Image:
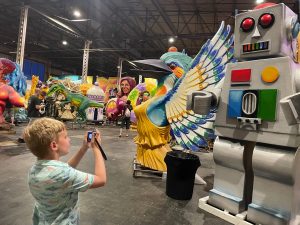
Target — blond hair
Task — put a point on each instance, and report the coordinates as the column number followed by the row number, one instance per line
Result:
column 41, row 133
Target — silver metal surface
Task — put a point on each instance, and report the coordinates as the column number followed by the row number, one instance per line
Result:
column 22, row 36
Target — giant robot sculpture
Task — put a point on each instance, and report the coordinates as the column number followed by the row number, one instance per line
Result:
column 167, row 109
column 256, row 155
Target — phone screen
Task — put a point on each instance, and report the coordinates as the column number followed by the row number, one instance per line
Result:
column 89, row 136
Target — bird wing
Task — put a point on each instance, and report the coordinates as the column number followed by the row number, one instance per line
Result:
column 206, row 70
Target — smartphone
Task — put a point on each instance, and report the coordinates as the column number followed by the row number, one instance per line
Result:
column 89, row 136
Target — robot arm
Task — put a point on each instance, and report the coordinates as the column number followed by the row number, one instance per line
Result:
column 291, row 108
column 202, row 101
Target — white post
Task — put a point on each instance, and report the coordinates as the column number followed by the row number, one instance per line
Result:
column 140, row 79
column 85, row 61
column 119, row 73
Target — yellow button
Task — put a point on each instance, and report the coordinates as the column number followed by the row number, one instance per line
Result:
column 270, row 74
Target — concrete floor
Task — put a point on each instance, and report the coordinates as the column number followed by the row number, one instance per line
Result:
column 123, row 201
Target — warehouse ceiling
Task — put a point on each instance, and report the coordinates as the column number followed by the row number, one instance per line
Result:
column 129, row 29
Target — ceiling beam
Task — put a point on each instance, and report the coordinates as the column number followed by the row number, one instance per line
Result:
column 166, row 19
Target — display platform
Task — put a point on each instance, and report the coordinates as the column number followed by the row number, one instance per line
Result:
column 141, row 171
column 238, row 219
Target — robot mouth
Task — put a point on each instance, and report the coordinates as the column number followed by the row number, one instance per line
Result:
column 256, row 47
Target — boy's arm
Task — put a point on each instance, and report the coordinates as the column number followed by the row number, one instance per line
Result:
column 100, row 171
column 77, row 157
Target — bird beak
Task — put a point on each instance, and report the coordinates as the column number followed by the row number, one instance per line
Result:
column 178, row 72
column 154, row 62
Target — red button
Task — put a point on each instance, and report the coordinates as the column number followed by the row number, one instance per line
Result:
column 243, row 75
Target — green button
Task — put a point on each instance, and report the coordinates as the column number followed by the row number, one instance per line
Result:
column 267, row 104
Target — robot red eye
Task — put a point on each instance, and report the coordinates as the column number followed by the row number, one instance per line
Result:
column 247, row 24
column 266, row 20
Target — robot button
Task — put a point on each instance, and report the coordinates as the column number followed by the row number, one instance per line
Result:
column 270, row 74
column 247, row 121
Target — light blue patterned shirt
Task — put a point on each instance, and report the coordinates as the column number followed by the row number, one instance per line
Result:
column 55, row 186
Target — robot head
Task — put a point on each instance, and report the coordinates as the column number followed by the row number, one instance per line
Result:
column 264, row 32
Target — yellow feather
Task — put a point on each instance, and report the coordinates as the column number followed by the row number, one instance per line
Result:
column 168, row 110
column 185, row 114
column 202, row 86
column 172, row 109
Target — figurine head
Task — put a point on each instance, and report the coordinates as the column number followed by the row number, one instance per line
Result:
column 127, row 84
column 264, row 32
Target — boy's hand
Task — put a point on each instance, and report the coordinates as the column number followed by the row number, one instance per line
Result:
column 92, row 143
column 85, row 144
column 96, row 136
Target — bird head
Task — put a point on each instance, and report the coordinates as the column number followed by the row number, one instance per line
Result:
column 172, row 62
column 177, row 61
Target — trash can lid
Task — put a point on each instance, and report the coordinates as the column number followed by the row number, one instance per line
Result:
column 182, row 155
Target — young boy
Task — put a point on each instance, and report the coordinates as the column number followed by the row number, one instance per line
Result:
column 55, row 184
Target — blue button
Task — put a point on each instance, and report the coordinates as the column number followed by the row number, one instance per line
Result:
column 235, row 103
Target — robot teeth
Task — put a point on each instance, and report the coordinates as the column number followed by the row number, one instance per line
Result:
column 255, row 47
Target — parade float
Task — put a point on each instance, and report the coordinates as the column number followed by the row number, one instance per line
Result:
column 67, row 99
column 95, row 114
column 167, row 111
column 12, row 86
column 114, row 106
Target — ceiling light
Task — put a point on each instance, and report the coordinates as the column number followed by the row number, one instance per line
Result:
column 64, row 42
column 171, row 40
column 259, row 1
column 76, row 13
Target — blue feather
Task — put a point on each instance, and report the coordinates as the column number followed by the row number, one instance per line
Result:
column 204, row 117
column 218, row 69
column 192, row 126
column 209, row 134
column 201, row 141
column 182, row 144
column 176, row 132
column 230, row 52
column 191, row 146
column 229, row 42
column 216, row 62
column 202, row 50
column 212, row 54
column 225, row 33
column 182, row 128
column 200, row 121
column 233, row 60
column 220, row 76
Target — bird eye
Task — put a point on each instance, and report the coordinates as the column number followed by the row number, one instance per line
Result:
column 266, row 20
column 172, row 66
column 247, row 24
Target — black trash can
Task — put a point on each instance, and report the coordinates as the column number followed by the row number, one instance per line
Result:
column 181, row 170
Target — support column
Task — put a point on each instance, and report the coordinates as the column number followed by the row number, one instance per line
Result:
column 119, row 73
column 22, row 36
column 140, row 79
column 85, row 62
